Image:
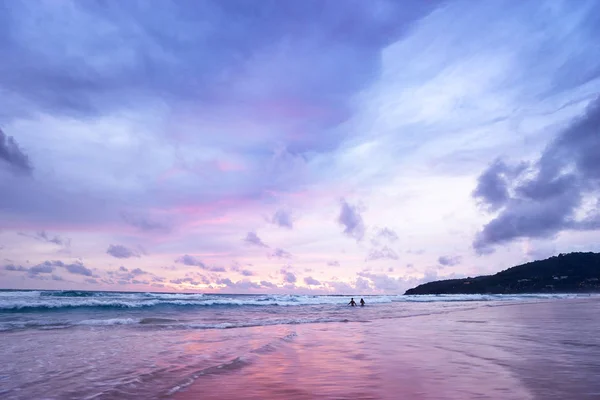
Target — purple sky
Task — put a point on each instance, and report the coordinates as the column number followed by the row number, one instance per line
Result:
column 293, row 147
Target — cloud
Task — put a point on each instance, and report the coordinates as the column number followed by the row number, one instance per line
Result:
column 386, row 283
column 352, row 221
column 239, row 285
column 363, row 284
column 143, row 223
column 191, row 261
column 120, row 251
column 449, row 261
column 311, row 281
column 333, row 263
column 138, row 271
column 267, row 284
column 13, row 156
column 493, row 184
column 288, row 277
column 41, row 269
column 247, row 272
column 253, row 239
column 546, row 198
column 12, row 267
column 79, row 269
column 383, row 253
column 256, row 36
column 384, row 234
column 43, row 236
column 280, row 253
column 195, row 262
column 283, row 219
column 48, row 267
column 188, row 280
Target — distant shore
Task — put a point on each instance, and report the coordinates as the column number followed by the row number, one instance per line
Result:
column 565, row 273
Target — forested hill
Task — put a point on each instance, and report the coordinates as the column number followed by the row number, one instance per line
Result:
column 566, row 273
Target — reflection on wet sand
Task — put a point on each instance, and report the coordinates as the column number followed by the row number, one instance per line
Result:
column 493, row 353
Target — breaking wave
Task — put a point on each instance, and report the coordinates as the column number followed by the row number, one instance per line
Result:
column 31, row 301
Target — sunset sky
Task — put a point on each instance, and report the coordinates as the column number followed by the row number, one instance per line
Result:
column 294, row 146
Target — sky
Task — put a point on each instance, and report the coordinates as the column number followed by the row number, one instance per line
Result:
column 324, row 147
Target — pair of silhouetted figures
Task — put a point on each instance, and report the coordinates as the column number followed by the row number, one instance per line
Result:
column 353, row 303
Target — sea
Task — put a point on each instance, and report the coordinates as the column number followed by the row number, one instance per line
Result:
column 115, row 345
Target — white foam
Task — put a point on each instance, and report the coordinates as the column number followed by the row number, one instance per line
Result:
column 175, row 296
column 16, row 301
column 25, row 293
column 111, row 321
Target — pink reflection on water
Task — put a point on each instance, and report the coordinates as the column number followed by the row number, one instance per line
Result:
column 423, row 358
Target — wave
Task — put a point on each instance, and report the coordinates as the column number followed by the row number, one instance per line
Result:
column 163, row 323
column 32, row 301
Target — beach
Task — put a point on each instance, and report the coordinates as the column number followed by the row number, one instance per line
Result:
column 397, row 347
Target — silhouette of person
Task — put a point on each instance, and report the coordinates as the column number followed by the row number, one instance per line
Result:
column 352, row 302
column 362, row 302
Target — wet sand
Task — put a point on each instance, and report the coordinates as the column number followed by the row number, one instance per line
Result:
column 546, row 350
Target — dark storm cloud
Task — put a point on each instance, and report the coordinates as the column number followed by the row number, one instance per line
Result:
column 12, row 156
column 352, row 221
column 544, row 199
column 120, row 251
column 449, row 261
column 253, row 239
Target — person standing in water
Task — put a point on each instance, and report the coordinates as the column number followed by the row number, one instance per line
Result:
column 352, row 302
column 362, row 302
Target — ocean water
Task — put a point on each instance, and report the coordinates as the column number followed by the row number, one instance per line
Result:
column 107, row 345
